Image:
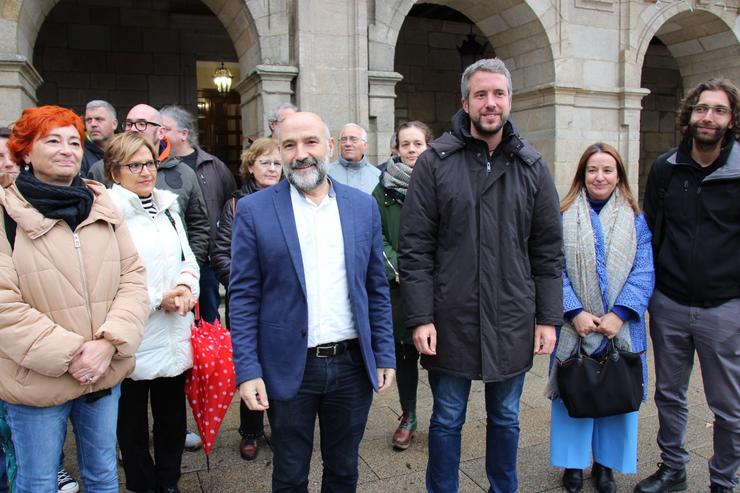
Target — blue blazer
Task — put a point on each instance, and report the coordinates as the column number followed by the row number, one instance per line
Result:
column 267, row 288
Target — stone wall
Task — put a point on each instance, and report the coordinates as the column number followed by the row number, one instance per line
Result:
column 126, row 52
column 427, row 57
column 658, row 132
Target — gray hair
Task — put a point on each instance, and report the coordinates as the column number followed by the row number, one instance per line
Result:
column 493, row 65
column 184, row 120
column 272, row 115
column 363, row 133
column 99, row 103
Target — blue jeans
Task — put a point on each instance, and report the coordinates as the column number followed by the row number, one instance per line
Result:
column 502, row 432
column 209, row 299
column 38, row 436
column 338, row 390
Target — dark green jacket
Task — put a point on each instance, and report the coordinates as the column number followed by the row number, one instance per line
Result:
column 390, row 203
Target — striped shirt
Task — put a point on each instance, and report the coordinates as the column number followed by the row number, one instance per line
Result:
column 148, row 204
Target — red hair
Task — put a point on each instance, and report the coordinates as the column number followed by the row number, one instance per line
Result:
column 36, row 123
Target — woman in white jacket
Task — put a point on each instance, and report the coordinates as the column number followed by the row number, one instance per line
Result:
column 165, row 352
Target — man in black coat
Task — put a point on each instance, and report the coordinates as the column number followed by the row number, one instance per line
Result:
column 691, row 206
column 481, row 272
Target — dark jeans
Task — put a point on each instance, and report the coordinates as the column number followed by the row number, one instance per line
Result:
column 502, row 432
column 338, row 390
column 407, row 375
column 209, row 299
column 251, row 423
column 168, row 413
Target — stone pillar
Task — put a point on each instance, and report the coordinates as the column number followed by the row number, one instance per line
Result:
column 262, row 90
column 561, row 121
column 381, row 102
column 18, row 83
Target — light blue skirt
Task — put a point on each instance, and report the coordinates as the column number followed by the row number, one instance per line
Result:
column 612, row 440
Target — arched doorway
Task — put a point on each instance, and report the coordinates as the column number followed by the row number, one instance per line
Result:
column 517, row 31
column 685, row 48
column 428, row 55
column 124, row 55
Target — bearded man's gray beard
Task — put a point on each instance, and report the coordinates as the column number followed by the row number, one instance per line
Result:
column 308, row 180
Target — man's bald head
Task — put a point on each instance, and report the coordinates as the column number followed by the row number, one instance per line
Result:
column 147, row 121
column 305, row 148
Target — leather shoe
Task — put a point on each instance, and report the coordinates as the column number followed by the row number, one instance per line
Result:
column 603, row 479
column 715, row 488
column 248, row 448
column 573, row 480
column 405, row 431
column 664, row 480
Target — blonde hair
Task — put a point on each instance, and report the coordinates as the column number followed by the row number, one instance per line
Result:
column 122, row 148
column 259, row 147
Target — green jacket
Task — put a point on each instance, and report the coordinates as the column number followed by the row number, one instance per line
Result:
column 390, row 203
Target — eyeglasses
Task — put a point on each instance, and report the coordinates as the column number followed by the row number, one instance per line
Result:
column 703, row 109
column 139, row 125
column 266, row 163
column 137, row 168
column 354, row 140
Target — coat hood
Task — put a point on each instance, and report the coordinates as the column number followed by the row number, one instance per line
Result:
column 459, row 137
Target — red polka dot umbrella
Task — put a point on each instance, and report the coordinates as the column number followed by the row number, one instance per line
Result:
column 211, row 383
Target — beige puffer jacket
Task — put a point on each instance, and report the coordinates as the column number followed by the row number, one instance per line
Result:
column 59, row 289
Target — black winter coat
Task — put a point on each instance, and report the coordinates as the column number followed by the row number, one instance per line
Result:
column 480, row 252
column 696, row 244
column 216, row 182
column 221, row 248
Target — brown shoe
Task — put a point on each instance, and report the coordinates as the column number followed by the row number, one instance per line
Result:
column 248, row 448
column 405, row 431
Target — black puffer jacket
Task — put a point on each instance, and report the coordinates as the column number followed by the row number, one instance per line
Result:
column 480, row 252
column 221, row 248
column 698, row 235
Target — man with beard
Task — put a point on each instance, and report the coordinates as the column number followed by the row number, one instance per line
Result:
column 310, row 310
column 481, row 272
column 691, row 205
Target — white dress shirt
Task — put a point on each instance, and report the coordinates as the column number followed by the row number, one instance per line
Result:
column 322, row 251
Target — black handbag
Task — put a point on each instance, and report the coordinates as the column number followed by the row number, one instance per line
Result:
column 599, row 387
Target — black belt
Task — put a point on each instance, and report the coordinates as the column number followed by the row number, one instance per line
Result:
column 331, row 349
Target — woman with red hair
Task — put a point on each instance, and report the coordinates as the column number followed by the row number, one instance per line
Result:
column 73, row 302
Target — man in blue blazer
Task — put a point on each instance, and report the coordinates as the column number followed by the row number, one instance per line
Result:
column 310, row 310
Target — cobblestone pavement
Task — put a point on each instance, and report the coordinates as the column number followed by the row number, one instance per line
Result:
column 383, row 470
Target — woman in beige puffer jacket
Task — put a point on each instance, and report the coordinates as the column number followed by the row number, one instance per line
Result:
column 73, row 302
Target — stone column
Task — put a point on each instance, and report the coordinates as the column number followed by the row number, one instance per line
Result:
column 262, row 90
column 381, row 101
column 18, row 83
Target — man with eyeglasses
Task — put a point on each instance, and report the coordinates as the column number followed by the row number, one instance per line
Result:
column 352, row 168
column 692, row 206
column 278, row 115
column 173, row 175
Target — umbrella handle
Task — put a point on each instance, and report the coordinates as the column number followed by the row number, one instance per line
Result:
column 197, row 311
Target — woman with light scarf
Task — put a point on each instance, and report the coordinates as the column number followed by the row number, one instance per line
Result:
column 412, row 139
column 607, row 284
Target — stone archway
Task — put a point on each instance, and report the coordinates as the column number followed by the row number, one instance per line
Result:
column 259, row 31
column 519, row 31
column 677, row 49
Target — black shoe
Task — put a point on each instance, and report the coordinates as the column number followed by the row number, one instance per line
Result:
column 715, row 488
column 573, row 480
column 603, row 479
column 665, row 479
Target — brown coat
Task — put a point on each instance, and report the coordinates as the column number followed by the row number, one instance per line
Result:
column 58, row 291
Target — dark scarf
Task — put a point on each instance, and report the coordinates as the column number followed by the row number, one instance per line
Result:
column 71, row 204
